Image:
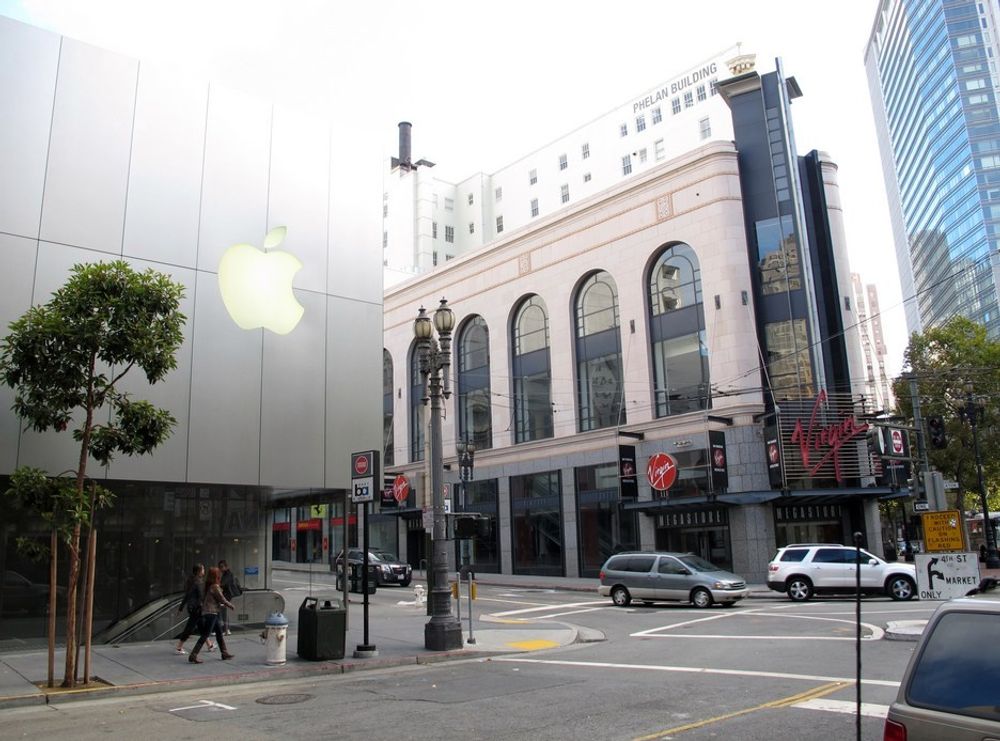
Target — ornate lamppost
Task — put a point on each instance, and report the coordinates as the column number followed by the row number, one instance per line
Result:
column 442, row 632
column 973, row 412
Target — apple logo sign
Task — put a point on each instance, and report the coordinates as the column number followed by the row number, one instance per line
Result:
column 256, row 285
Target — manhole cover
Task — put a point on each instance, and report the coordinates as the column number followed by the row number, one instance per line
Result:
column 283, row 699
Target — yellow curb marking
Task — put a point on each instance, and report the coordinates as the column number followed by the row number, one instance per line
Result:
column 534, row 645
column 824, row 689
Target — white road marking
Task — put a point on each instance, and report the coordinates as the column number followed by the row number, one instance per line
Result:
column 695, row 670
column 574, row 612
column 548, row 607
column 871, row 709
column 644, row 633
column 715, row 637
column 203, row 704
column 875, row 633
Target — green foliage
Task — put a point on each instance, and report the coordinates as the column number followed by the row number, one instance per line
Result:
column 54, row 500
column 944, row 360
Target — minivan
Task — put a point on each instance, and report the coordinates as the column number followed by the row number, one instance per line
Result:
column 664, row 576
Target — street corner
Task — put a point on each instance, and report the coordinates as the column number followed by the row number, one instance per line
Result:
column 524, row 640
column 904, row 630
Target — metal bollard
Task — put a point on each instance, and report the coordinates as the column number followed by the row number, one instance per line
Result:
column 275, row 629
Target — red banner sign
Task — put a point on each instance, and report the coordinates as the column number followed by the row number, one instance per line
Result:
column 400, row 488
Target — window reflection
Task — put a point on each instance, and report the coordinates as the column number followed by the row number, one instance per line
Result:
column 532, row 382
column 475, row 421
column 536, row 524
column 598, row 355
column 789, row 365
column 778, row 256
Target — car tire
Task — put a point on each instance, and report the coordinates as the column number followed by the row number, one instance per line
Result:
column 620, row 596
column 405, row 582
column 729, row 604
column 900, row 588
column 701, row 598
column 798, row 588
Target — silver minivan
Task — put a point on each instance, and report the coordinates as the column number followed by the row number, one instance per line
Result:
column 661, row 577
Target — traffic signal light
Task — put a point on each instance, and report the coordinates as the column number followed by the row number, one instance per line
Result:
column 935, row 432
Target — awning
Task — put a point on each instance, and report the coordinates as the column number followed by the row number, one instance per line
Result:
column 804, row 496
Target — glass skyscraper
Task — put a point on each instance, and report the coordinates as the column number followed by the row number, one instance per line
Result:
column 932, row 74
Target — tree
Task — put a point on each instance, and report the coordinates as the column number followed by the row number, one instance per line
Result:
column 943, row 360
column 65, row 360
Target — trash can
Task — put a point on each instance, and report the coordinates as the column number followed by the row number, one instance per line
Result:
column 322, row 629
column 275, row 630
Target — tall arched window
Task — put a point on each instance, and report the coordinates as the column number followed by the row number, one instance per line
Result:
column 598, row 354
column 418, row 418
column 388, row 458
column 475, row 420
column 677, row 333
column 532, row 373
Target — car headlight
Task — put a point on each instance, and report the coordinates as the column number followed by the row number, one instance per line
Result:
column 386, row 569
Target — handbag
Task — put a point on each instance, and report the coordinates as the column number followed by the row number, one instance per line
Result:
column 236, row 589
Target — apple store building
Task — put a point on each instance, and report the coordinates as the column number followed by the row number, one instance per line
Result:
column 104, row 157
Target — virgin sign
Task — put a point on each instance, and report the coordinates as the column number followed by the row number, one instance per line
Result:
column 400, row 488
column 822, row 442
column 661, row 471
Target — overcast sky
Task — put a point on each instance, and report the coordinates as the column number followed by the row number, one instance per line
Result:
column 484, row 84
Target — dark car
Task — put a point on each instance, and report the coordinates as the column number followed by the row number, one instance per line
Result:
column 384, row 566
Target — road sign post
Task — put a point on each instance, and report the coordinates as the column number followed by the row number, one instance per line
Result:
column 364, row 473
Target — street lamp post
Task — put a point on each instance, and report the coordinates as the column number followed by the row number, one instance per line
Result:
column 973, row 412
column 442, row 632
column 466, row 456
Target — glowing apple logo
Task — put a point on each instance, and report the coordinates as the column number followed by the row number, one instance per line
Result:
column 256, row 285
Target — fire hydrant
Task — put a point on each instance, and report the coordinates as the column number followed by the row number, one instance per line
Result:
column 275, row 628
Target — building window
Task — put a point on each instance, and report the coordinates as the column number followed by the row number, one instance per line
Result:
column 640, row 123
column 777, row 256
column 704, row 128
column 447, row 257
column 701, row 93
column 657, row 115
column 564, row 193
column 600, row 401
column 449, row 204
column 585, row 151
column 789, row 365
column 534, row 207
column 658, row 149
column 434, row 258
column 563, row 162
column 471, row 199
column 475, row 421
column 385, row 210
column 499, row 224
column 623, row 129
column 604, row 528
column 498, row 194
column 532, row 177
column 385, row 240
column 435, row 199
column 688, row 100
column 586, row 177
column 713, row 87
column 536, row 524
column 677, row 333
column 627, row 164
column 532, row 379
column 388, row 456
column 472, row 227
column 418, row 418
column 642, row 155
column 434, row 230
column 449, row 234
column 675, row 105
column 979, row 84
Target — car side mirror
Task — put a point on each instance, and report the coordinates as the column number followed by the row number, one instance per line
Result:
column 685, row 572
column 873, row 562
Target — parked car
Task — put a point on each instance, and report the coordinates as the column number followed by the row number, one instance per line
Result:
column 22, row 595
column 949, row 688
column 659, row 577
column 384, row 566
column 803, row 569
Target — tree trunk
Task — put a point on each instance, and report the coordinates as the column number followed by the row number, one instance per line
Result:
column 69, row 676
column 83, row 634
column 53, row 576
column 88, row 615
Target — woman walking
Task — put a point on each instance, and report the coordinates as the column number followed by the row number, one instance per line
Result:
column 194, row 593
column 214, row 600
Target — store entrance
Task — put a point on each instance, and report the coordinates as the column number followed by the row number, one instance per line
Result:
column 704, row 533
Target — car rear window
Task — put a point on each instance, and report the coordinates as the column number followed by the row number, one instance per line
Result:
column 794, row 554
column 640, row 564
column 958, row 670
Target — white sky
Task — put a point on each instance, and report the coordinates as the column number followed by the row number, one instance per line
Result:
column 484, row 84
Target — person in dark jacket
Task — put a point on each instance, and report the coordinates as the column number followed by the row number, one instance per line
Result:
column 194, row 593
column 230, row 588
column 210, row 606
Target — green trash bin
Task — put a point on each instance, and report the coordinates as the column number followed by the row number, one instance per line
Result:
column 322, row 629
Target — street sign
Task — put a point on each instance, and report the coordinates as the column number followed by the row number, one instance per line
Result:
column 944, row 576
column 943, row 531
column 363, row 490
column 921, row 505
column 950, row 485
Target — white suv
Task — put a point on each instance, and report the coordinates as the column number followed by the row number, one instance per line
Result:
column 804, row 569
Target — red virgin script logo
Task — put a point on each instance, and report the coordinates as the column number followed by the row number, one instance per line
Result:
column 661, row 471
column 400, row 488
column 719, row 457
column 825, row 441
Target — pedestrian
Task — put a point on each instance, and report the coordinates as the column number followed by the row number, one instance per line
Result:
column 231, row 588
column 194, row 593
column 214, row 601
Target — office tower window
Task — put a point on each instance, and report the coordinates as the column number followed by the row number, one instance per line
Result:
column 701, row 93
column 642, row 155
column 657, row 115
column 532, row 177
column 499, row 224
column 449, row 234
column 598, row 354
column 640, row 123
column 472, row 228
column 498, row 194
column 688, row 100
column 627, row 164
column 564, row 193
column 675, row 105
column 434, row 230
column 475, row 421
column 658, row 149
column 471, row 200
column 534, row 207
column 713, row 87
column 532, row 375
column 385, row 240
column 586, row 177
column 704, row 128
column 585, row 151
column 623, row 129
column 563, row 162
column 449, row 204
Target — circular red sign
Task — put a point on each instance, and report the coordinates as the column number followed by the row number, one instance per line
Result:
column 661, row 471
column 400, row 488
column 361, row 465
column 897, row 442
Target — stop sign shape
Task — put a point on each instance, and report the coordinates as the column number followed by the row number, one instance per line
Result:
column 361, row 465
column 661, row 471
column 400, row 488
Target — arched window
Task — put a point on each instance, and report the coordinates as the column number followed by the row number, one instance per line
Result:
column 677, row 333
column 475, row 420
column 532, row 373
column 598, row 354
column 388, row 458
column 418, row 418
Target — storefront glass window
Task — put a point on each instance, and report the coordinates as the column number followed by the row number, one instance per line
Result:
column 481, row 497
column 604, row 528
column 536, row 524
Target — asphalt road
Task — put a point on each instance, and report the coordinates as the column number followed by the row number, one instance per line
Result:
column 764, row 669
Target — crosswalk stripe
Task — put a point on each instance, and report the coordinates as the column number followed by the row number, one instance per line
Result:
column 870, row 709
